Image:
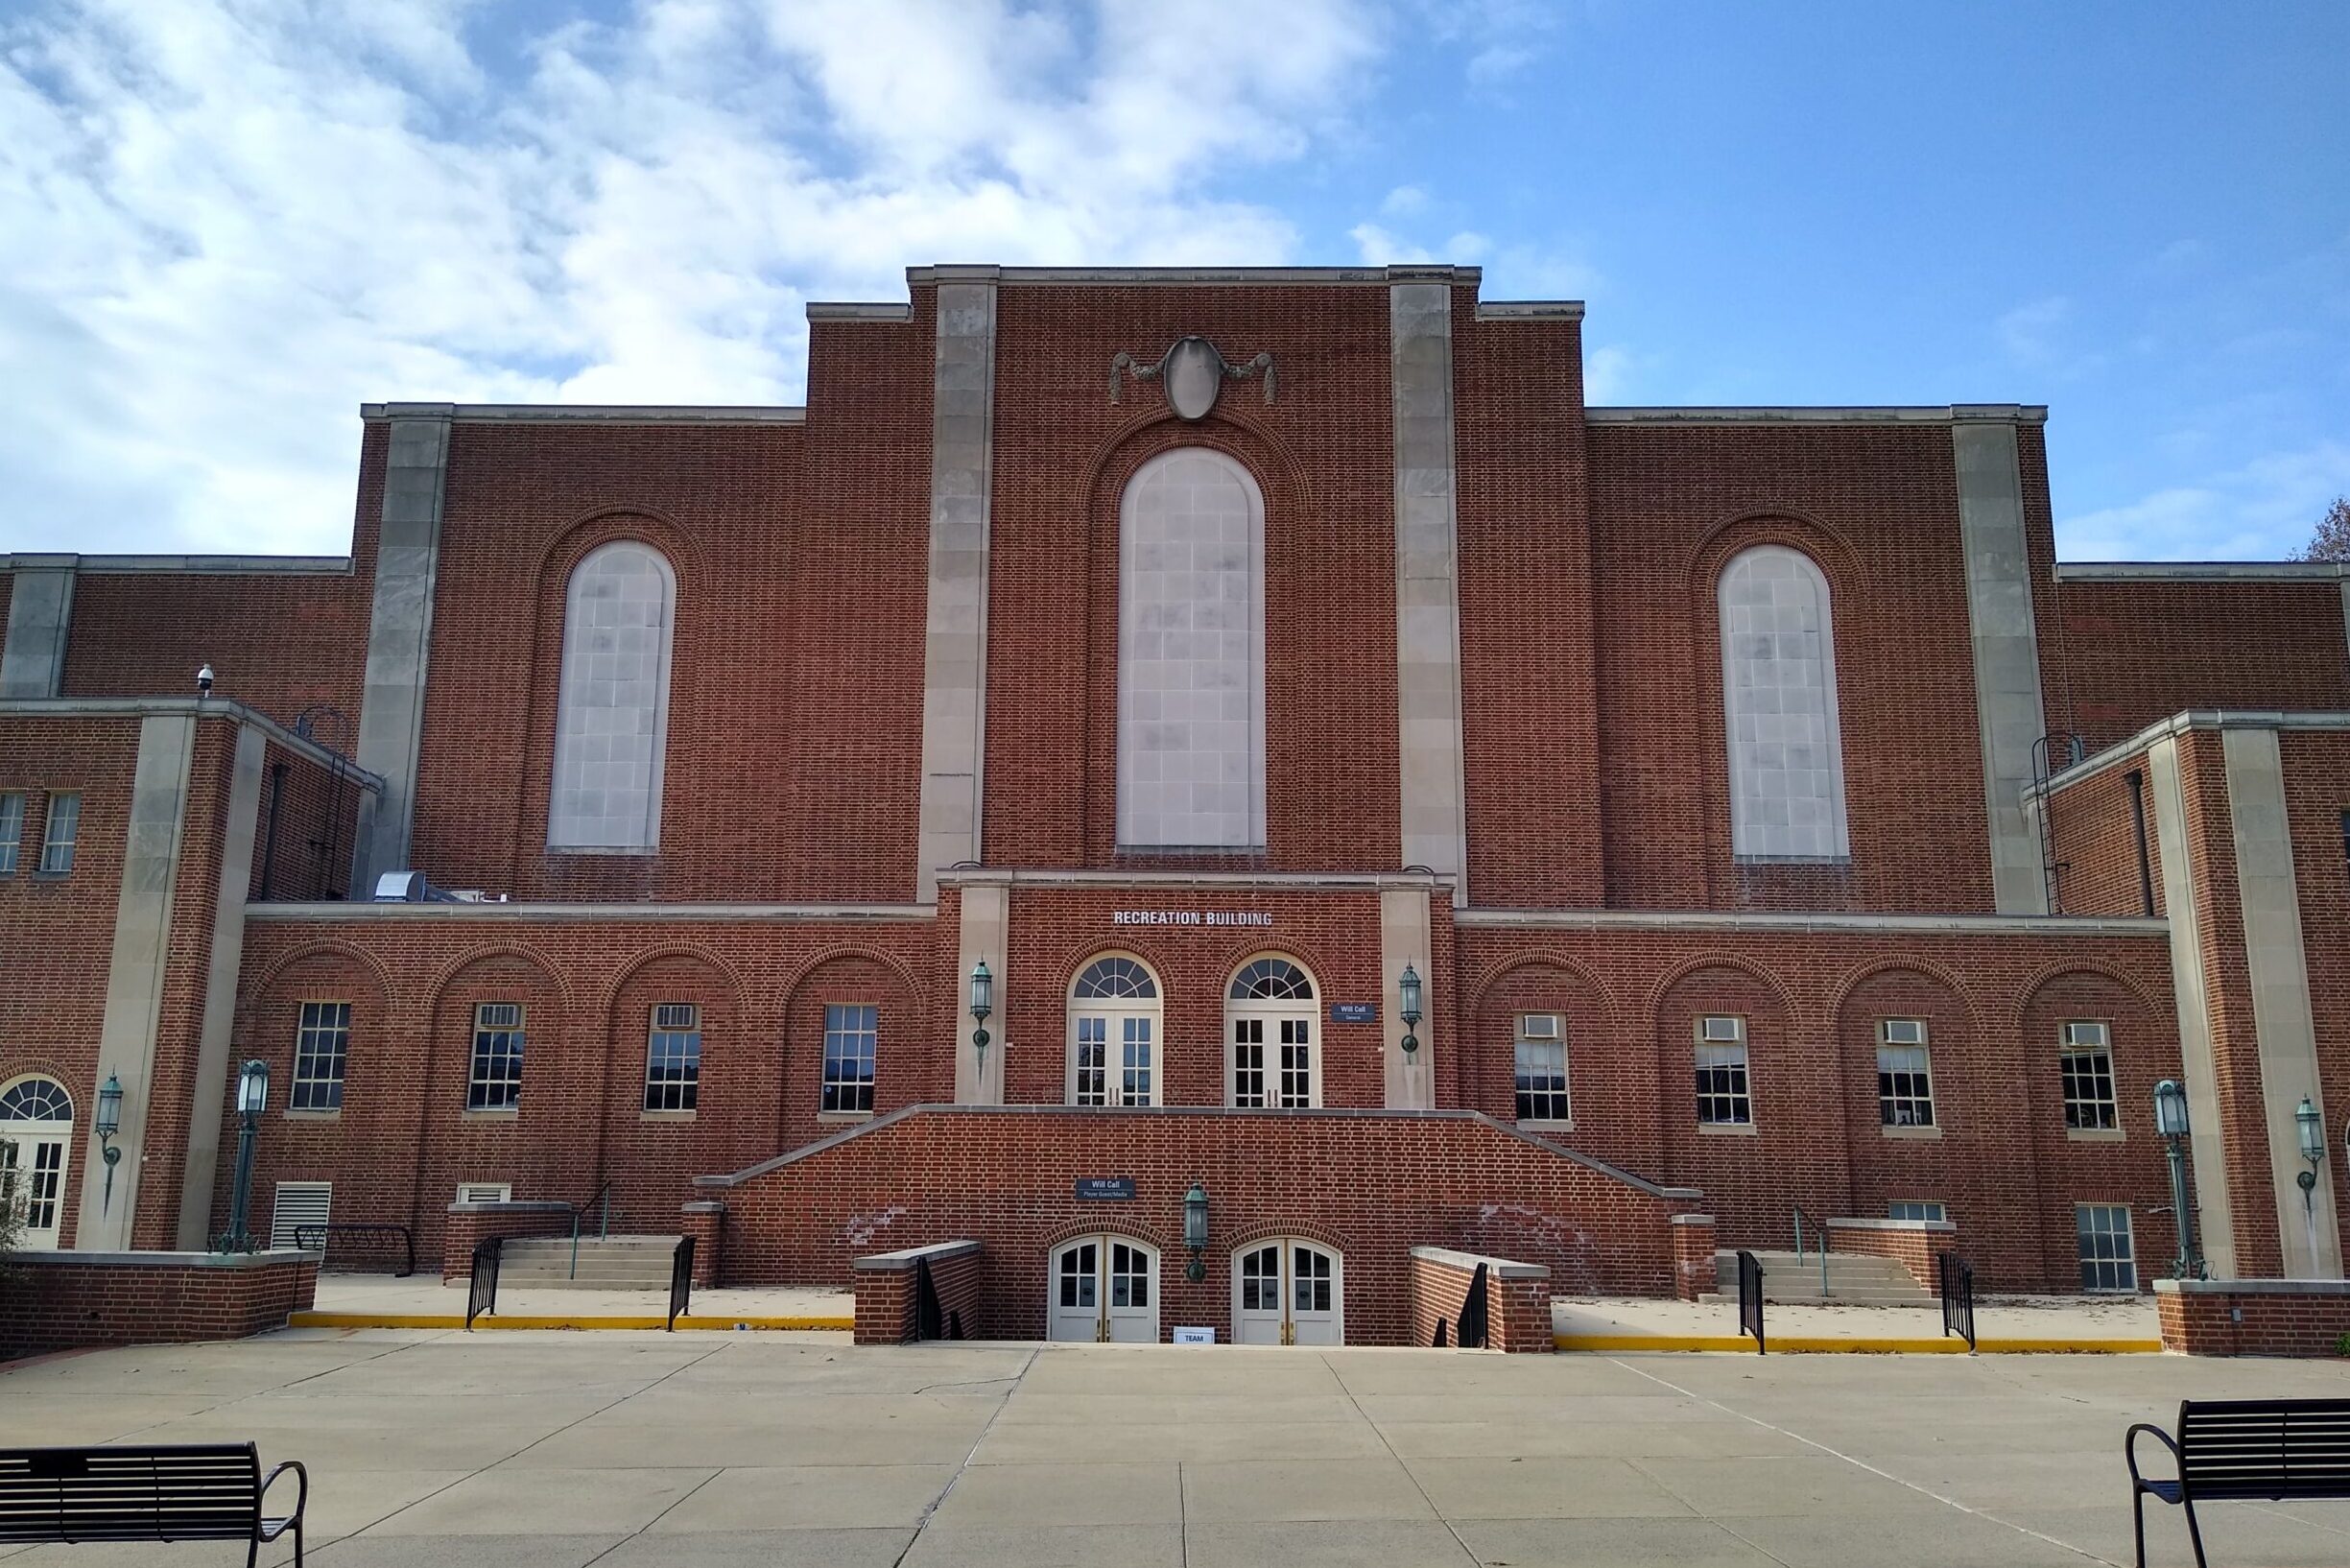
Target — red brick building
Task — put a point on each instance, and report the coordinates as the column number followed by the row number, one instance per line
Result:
column 1765, row 818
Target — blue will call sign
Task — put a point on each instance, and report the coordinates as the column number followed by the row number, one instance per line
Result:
column 1105, row 1189
column 1354, row 1012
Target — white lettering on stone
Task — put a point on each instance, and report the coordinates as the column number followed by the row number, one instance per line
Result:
column 1189, row 917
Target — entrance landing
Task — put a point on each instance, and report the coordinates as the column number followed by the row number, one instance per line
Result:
column 2003, row 1324
column 381, row 1301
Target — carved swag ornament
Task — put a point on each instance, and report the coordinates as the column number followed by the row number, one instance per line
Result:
column 1194, row 372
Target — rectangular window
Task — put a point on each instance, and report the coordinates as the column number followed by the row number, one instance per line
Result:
column 1905, row 1084
column 2108, row 1262
column 1723, row 1097
column 1542, row 1068
column 299, row 1206
column 1915, row 1209
column 11, row 830
column 2087, row 1068
column 61, row 827
column 851, row 1032
column 321, row 1046
column 673, row 1058
column 496, row 1080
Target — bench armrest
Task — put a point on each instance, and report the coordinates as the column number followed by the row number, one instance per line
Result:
column 301, row 1497
column 2129, row 1451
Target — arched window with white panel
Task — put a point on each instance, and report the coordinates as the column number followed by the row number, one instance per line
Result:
column 612, row 717
column 1114, row 1034
column 1190, row 655
column 1778, row 705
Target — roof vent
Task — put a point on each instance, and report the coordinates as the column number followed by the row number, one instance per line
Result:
column 408, row 888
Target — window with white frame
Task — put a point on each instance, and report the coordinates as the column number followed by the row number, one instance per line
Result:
column 1113, row 1034
column 1542, row 1068
column 852, row 1031
column 2086, row 1067
column 1778, row 707
column 321, row 1048
column 1190, row 655
column 611, row 717
column 2109, row 1257
column 495, row 1081
column 1724, row 1099
column 61, row 827
column 1906, row 1208
column 1905, row 1081
column 673, row 1058
column 11, row 830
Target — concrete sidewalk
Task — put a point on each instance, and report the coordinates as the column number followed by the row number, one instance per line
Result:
column 2001, row 1324
column 423, row 1301
column 647, row 1450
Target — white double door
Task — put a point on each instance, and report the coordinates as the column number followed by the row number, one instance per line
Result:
column 1289, row 1292
column 33, row 1180
column 1272, row 1062
column 1104, row 1289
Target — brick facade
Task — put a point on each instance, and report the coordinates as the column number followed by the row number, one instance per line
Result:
column 1599, row 881
column 889, row 1293
column 2254, row 1317
column 65, row 1300
column 1517, row 1301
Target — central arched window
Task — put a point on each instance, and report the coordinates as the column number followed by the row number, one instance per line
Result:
column 1270, row 1059
column 1114, row 1034
column 611, row 719
column 1778, row 705
column 1191, row 655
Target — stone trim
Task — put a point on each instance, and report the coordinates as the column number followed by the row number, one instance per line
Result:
column 904, row 1259
column 1940, row 1227
column 188, row 565
column 2208, row 1150
column 1431, row 766
column 2202, row 571
column 2026, row 413
column 2003, row 635
column 1282, row 881
column 1968, row 925
column 1530, row 310
column 499, row 912
column 1190, row 277
column 2179, row 723
column 39, row 625
column 72, row 1258
column 2252, row 1287
column 851, row 310
column 240, row 826
column 1495, row 1268
column 203, row 707
column 618, row 414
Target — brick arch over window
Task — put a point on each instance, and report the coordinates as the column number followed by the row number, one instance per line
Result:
column 1190, row 655
column 1779, row 707
column 612, row 709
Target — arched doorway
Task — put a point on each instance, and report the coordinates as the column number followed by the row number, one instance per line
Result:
column 1287, row 1291
column 1114, row 1034
column 36, row 1128
column 1103, row 1288
column 1270, row 1062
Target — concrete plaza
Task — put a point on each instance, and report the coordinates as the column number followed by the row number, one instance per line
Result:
column 630, row 1450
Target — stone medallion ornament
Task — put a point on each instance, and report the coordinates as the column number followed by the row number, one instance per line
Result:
column 1193, row 373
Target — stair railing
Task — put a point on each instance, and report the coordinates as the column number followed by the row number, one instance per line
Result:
column 1751, row 1299
column 1819, row 1243
column 603, row 1224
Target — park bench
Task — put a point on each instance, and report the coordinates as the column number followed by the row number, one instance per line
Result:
column 188, row 1492
column 2244, row 1450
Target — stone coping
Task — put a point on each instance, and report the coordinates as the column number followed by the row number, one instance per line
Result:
column 2179, row 723
column 183, row 565
column 905, row 1258
column 618, row 414
column 2030, row 414
column 2202, row 571
column 1815, row 923
column 2252, row 1287
column 1934, row 1228
column 1497, row 1267
column 512, row 1206
column 1690, row 1220
column 733, row 1179
column 1013, row 876
column 1189, row 276
column 165, row 1260
column 361, row 909
column 703, row 1205
column 202, row 708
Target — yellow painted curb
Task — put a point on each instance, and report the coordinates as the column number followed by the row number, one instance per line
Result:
column 1795, row 1345
column 378, row 1320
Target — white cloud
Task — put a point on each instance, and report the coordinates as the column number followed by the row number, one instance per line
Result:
column 2263, row 511
column 225, row 223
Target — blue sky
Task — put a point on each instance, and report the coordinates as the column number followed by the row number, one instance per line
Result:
column 226, row 222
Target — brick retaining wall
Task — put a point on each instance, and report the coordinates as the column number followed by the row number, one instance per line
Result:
column 2253, row 1316
column 1694, row 1270
column 470, row 1223
column 1517, row 1299
column 61, row 1300
column 1910, row 1242
column 887, row 1292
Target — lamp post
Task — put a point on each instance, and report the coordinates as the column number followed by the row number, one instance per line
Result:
column 110, row 1123
column 1196, row 1232
column 2171, row 1121
column 253, row 1098
column 2312, row 1128
column 983, row 1002
column 1409, row 988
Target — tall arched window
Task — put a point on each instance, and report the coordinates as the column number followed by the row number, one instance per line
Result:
column 1778, row 703
column 1270, row 1059
column 613, row 719
column 1191, row 655
column 1113, row 1033
column 36, row 1129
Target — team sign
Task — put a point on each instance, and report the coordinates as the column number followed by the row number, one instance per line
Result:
column 1188, row 918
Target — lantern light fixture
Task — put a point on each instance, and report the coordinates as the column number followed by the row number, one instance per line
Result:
column 983, row 1002
column 1409, row 987
column 110, row 1123
column 1196, row 1231
column 2169, row 1108
column 2171, row 1121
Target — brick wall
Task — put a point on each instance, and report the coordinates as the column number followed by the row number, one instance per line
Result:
column 469, row 1224
column 705, row 1221
column 1695, row 1271
column 1005, row 1177
column 2098, row 844
column 2253, row 1318
column 2142, row 651
column 61, row 1300
column 1517, row 1300
column 2316, row 795
column 278, row 642
column 1913, row 1244
column 887, row 1287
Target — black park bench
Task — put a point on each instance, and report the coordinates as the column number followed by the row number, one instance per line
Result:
column 191, row 1492
column 2244, row 1450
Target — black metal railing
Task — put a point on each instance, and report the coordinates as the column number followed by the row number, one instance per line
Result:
column 1750, row 1299
column 602, row 1201
column 325, row 1234
column 1470, row 1332
column 482, row 1291
column 1957, row 1278
column 1819, row 1243
column 929, row 1322
column 681, row 1281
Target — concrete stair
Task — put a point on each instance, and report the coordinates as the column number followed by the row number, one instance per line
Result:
column 1853, row 1279
column 607, row 1263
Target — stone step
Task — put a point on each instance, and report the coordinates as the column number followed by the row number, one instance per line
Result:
column 605, row 1262
column 1853, row 1279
